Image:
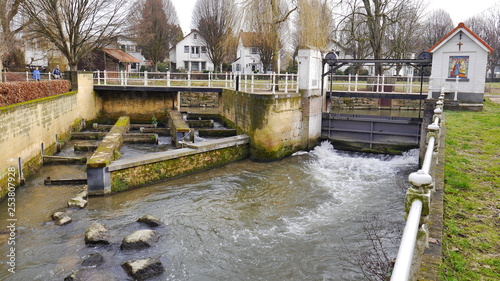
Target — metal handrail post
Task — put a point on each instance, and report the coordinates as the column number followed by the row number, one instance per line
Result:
column 252, row 86
column 286, row 82
column 273, row 82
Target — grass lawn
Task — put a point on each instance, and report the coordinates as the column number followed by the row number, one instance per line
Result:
column 471, row 234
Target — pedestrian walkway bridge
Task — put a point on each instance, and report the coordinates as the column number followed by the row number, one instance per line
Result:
column 196, row 82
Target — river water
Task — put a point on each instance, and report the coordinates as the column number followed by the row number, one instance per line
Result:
column 300, row 218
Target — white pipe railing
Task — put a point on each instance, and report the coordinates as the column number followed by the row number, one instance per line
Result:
column 255, row 82
column 405, row 254
column 418, row 196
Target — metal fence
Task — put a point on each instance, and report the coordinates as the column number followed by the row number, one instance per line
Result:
column 392, row 84
column 244, row 82
column 25, row 76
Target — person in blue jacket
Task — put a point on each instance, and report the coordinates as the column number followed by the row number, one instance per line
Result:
column 36, row 74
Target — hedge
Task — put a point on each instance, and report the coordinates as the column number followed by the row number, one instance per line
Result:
column 17, row 92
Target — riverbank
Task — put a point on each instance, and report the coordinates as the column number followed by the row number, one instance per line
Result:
column 471, row 244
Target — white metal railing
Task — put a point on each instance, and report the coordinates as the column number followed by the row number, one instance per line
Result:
column 446, row 85
column 392, row 84
column 246, row 82
column 417, row 202
column 379, row 84
column 25, row 76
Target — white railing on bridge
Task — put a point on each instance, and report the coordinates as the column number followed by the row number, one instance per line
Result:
column 417, row 202
column 391, row 84
column 378, row 84
column 246, row 82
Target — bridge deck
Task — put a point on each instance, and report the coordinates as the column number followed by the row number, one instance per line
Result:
column 157, row 89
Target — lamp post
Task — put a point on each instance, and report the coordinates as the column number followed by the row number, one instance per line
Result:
column 331, row 59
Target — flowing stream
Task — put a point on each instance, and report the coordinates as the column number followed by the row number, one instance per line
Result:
column 300, row 218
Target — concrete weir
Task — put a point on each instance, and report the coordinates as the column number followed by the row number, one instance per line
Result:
column 125, row 174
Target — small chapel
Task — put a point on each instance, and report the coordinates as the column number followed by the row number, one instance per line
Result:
column 459, row 63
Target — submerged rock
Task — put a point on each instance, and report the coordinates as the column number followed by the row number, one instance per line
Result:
column 77, row 202
column 60, row 218
column 57, row 215
column 140, row 239
column 143, row 269
column 93, row 260
column 150, row 221
column 97, row 234
column 63, row 220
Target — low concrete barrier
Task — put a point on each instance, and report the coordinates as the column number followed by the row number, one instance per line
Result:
column 154, row 167
column 178, row 127
column 97, row 174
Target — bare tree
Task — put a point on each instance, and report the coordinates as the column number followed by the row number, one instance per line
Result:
column 155, row 27
column 318, row 32
column 403, row 36
column 76, row 27
column 378, row 16
column 9, row 10
column 266, row 18
column 214, row 21
column 436, row 25
column 352, row 34
column 487, row 26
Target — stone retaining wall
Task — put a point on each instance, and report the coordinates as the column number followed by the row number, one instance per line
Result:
column 27, row 127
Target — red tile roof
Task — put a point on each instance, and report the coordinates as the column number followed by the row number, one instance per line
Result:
column 120, row 55
column 454, row 31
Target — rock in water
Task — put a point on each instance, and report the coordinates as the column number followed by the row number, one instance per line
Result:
column 150, row 220
column 57, row 215
column 93, row 260
column 77, row 202
column 140, row 239
column 143, row 269
column 63, row 220
column 96, row 234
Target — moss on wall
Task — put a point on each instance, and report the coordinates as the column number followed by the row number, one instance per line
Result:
column 273, row 122
column 147, row 174
column 109, row 148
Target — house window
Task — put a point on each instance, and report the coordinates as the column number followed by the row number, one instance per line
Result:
column 203, row 49
column 195, row 36
column 238, row 67
column 195, row 66
column 254, row 50
column 186, row 65
column 203, row 65
column 195, row 50
column 186, row 49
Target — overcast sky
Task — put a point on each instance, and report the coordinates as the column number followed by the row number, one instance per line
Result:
column 459, row 10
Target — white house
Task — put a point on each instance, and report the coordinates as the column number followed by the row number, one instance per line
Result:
column 247, row 56
column 190, row 54
column 131, row 48
column 459, row 65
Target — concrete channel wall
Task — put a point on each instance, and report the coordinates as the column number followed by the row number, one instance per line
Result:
column 33, row 128
column 273, row 122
